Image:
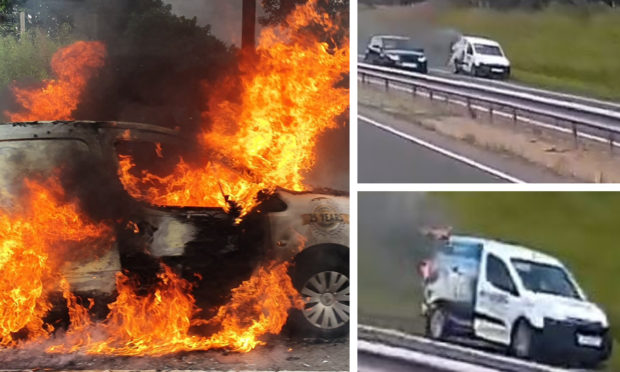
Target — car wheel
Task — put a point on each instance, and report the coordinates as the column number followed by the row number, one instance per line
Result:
column 437, row 324
column 522, row 344
column 325, row 288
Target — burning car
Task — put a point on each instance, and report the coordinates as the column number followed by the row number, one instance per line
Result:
column 211, row 246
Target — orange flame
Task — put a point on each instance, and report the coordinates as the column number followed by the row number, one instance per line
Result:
column 33, row 241
column 159, row 323
column 73, row 66
column 33, row 250
column 267, row 139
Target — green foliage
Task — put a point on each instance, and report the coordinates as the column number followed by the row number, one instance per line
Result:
column 579, row 228
column 27, row 58
column 576, row 49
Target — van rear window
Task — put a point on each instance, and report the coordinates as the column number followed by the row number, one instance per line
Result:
column 463, row 250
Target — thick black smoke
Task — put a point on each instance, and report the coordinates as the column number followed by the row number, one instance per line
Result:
column 157, row 67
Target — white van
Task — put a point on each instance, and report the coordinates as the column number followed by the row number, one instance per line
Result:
column 479, row 57
column 514, row 297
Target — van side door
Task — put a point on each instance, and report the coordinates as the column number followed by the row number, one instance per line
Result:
column 497, row 301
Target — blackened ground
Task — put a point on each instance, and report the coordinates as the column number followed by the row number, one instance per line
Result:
column 281, row 353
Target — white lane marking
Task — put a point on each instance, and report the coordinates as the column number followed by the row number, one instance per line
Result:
column 419, row 358
column 461, row 349
column 498, row 111
column 443, row 151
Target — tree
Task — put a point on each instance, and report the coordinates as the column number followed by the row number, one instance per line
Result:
column 9, row 20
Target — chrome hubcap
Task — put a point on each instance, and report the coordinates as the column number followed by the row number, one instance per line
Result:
column 326, row 297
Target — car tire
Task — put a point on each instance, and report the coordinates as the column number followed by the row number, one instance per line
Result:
column 474, row 71
column 523, row 343
column 324, row 286
column 437, row 324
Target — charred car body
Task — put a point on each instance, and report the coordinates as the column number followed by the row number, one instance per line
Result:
column 514, row 297
column 309, row 229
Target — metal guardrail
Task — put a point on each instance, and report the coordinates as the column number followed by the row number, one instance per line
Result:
column 450, row 351
column 576, row 116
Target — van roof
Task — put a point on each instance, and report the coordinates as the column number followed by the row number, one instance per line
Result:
column 508, row 251
column 480, row 40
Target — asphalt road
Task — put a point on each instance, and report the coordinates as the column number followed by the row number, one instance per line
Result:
column 387, row 158
column 281, row 353
column 367, row 362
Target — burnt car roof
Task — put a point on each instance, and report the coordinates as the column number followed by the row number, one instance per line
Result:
column 75, row 129
column 112, row 131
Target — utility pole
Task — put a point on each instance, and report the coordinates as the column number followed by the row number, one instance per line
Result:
column 22, row 24
column 248, row 28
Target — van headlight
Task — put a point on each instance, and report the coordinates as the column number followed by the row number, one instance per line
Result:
column 393, row 57
column 422, row 59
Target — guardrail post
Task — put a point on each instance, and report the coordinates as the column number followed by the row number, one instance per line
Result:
column 611, row 142
column 387, row 84
column 514, row 116
column 575, row 135
column 414, row 90
column 469, row 104
column 363, row 78
column 430, row 94
column 491, row 113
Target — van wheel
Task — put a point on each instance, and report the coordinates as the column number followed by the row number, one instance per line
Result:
column 522, row 344
column 437, row 324
column 324, row 287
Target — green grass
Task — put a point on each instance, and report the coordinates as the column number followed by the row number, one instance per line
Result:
column 581, row 229
column 569, row 49
column 28, row 58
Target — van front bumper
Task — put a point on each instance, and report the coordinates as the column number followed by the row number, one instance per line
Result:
column 575, row 342
column 492, row 70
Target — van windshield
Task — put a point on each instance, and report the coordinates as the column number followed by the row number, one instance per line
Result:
column 489, row 50
column 542, row 278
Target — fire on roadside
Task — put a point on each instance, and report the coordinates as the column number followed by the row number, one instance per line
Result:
column 266, row 140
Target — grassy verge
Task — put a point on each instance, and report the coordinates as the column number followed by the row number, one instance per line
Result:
column 579, row 228
column 558, row 48
column 28, row 58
